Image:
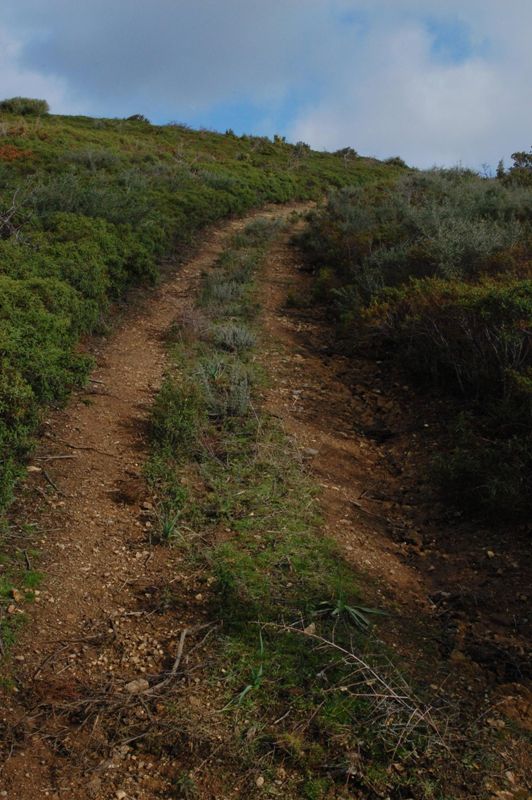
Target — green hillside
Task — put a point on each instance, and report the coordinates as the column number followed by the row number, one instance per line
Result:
column 90, row 207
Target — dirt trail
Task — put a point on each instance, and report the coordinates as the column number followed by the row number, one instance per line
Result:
column 101, row 618
column 367, row 437
column 89, row 502
column 321, row 412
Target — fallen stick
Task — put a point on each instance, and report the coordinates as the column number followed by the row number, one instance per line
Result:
column 175, row 666
column 53, row 485
column 53, row 458
column 43, row 495
column 86, row 447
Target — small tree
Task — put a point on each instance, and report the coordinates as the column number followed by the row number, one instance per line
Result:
column 301, row 149
column 522, row 160
column 521, row 170
column 347, row 153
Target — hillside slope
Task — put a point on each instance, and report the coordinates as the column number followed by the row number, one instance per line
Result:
column 89, row 207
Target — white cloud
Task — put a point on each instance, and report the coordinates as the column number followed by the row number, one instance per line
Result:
column 392, row 95
column 17, row 80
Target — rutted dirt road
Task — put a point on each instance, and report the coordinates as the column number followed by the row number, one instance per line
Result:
column 101, row 621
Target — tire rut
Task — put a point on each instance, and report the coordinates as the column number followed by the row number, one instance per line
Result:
column 100, row 615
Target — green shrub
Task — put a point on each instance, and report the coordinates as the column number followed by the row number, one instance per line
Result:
column 474, row 337
column 25, row 106
column 17, row 420
column 435, row 268
column 138, row 118
column 396, row 161
column 40, row 324
column 491, row 477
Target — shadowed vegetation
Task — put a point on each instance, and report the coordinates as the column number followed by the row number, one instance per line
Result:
column 435, row 270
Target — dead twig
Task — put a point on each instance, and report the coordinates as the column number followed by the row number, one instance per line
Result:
column 43, row 495
column 175, row 666
column 212, row 627
column 377, row 685
column 50, row 657
column 86, row 447
column 53, row 484
column 53, row 458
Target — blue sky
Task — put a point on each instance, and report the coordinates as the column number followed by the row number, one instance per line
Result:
column 436, row 82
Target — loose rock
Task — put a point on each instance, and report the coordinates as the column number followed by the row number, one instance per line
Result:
column 137, row 687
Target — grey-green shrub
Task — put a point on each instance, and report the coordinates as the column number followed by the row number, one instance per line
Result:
column 434, row 270
column 226, row 387
column 233, row 337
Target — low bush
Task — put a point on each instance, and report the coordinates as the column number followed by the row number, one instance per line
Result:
column 218, row 290
column 93, row 160
column 473, row 337
column 489, row 475
column 174, row 418
column 226, row 387
column 234, row 337
column 435, row 269
column 25, row 106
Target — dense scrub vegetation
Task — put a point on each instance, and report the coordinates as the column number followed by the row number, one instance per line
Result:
column 90, row 206
column 435, row 269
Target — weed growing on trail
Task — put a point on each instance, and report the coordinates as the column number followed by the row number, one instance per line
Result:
column 184, row 788
column 304, row 682
column 217, row 290
column 226, row 386
column 19, row 582
column 174, row 416
column 234, row 337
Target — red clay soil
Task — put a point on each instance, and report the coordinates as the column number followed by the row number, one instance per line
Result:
column 102, row 621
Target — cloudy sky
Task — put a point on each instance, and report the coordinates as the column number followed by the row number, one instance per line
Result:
column 435, row 81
